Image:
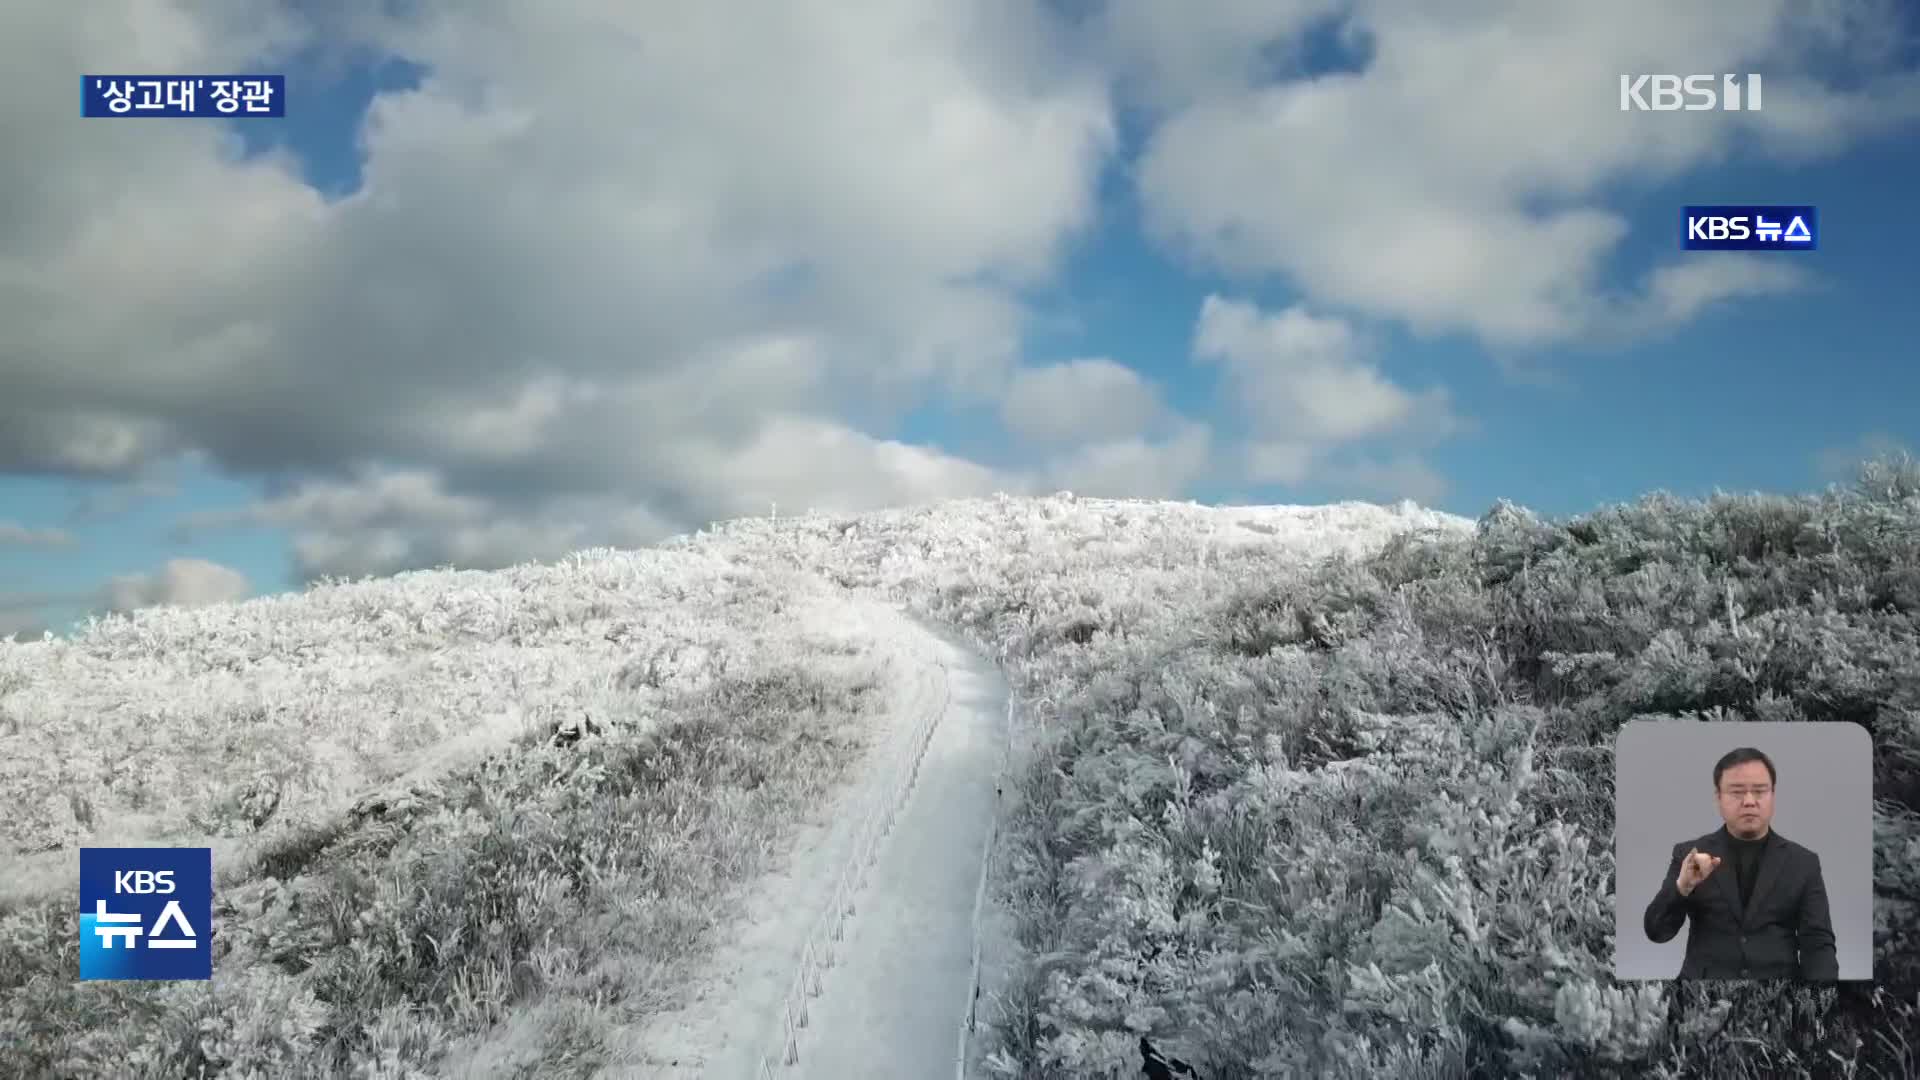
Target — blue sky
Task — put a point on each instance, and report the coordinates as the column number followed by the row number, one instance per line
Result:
column 325, row 426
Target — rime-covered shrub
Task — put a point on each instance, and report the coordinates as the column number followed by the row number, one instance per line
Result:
column 557, row 884
column 1353, row 818
column 1313, row 792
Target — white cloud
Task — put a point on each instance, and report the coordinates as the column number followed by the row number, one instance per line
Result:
column 14, row 534
column 1455, row 182
column 1843, row 462
column 21, row 626
column 1135, row 467
column 1173, row 54
column 72, row 437
column 103, row 500
column 830, row 467
column 614, row 274
column 1306, row 388
column 1271, row 461
column 1399, row 477
column 23, row 614
column 384, row 520
column 1315, row 406
column 182, row 582
column 1679, row 291
column 605, row 264
column 377, row 498
column 1079, row 401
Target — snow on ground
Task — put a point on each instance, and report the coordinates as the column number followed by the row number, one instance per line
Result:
column 894, row 1004
column 734, row 1014
column 893, row 938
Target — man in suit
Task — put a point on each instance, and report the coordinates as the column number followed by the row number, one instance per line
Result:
column 1765, row 916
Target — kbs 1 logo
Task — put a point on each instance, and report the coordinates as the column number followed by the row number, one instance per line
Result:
column 203, row 96
column 1749, row 228
column 1692, row 93
column 146, row 913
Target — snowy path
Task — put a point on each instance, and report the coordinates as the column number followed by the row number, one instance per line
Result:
column 894, row 1004
column 891, row 993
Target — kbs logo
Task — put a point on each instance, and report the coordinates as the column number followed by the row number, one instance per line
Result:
column 142, row 882
column 1693, row 93
column 1749, row 228
column 146, row 913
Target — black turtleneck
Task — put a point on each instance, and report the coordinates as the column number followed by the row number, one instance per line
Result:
column 1746, row 863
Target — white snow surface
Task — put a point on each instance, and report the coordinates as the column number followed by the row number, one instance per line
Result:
column 895, row 1003
column 854, row 957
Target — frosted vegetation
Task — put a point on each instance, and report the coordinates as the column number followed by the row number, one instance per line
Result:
column 1313, row 792
column 1355, row 820
column 466, row 822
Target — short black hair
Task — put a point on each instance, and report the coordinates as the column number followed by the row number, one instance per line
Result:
column 1741, row 757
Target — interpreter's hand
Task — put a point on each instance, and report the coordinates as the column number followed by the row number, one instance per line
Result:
column 1694, row 870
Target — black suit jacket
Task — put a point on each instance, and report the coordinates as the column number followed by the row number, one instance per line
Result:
column 1785, row 931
